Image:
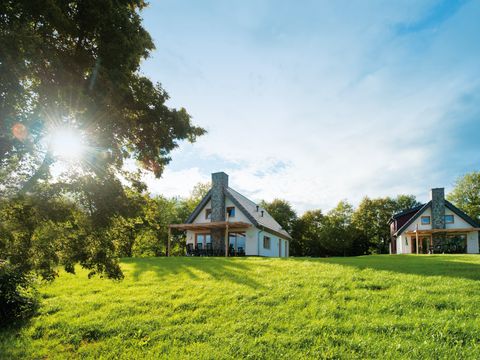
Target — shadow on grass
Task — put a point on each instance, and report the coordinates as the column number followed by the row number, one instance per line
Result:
column 453, row 266
column 236, row 270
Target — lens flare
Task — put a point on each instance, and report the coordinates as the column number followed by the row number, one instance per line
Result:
column 20, row 131
column 67, row 144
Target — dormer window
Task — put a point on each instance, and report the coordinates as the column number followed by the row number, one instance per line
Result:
column 208, row 214
column 449, row 219
column 231, row 211
column 425, row 220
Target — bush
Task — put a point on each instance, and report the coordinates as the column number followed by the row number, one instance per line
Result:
column 18, row 296
column 147, row 244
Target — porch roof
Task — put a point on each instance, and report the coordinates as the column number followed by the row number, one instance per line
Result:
column 436, row 231
column 211, row 225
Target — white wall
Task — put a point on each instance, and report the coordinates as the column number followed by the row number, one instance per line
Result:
column 274, row 242
column 251, row 247
column 404, row 245
column 201, row 216
column 418, row 221
column 458, row 222
column 472, row 242
column 239, row 216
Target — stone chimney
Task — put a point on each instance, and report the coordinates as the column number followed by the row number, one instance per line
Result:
column 219, row 183
column 438, row 208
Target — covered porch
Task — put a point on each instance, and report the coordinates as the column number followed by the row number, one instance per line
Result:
column 209, row 238
column 439, row 241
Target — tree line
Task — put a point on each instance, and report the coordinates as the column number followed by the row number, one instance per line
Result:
column 342, row 231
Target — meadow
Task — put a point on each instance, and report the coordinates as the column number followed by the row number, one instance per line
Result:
column 215, row 308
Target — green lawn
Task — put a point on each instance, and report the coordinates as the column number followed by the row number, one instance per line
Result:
column 365, row 307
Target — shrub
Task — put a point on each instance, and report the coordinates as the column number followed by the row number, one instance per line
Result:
column 18, row 296
column 147, row 244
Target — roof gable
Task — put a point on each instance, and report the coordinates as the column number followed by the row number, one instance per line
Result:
column 414, row 217
column 448, row 205
column 461, row 214
column 199, row 207
column 405, row 212
column 248, row 208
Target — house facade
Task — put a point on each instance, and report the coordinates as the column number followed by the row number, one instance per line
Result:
column 436, row 227
column 227, row 223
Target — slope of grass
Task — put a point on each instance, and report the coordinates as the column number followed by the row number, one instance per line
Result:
column 366, row 307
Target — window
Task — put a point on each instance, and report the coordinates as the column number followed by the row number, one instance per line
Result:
column 449, row 219
column 266, row 242
column 451, row 244
column 425, row 220
column 231, row 211
column 208, row 213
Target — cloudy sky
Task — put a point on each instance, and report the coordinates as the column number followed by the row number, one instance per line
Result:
column 315, row 102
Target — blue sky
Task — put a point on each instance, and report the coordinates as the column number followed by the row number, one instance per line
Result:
column 316, row 102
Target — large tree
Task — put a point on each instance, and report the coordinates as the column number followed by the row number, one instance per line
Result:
column 466, row 194
column 73, row 68
column 76, row 64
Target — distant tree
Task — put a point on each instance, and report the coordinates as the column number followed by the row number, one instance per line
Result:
column 372, row 216
column 187, row 205
column 308, row 241
column 466, row 194
column 404, row 202
column 338, row 232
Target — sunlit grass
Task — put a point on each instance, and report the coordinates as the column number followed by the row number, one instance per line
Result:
column 367, row 307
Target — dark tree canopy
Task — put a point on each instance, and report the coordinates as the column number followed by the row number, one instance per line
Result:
column 77, row 63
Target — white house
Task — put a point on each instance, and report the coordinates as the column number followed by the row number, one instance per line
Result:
column 435, row 227
column 226, row 214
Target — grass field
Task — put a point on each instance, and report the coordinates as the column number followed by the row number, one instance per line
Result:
column 366, row 307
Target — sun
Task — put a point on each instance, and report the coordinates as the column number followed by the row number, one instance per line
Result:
column 67, row 144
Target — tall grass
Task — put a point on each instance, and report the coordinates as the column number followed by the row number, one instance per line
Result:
column 214, row 308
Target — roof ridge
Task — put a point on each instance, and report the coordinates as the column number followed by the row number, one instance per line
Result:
column 253, row 202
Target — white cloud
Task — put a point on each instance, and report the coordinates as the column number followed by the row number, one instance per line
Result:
column 317, row 104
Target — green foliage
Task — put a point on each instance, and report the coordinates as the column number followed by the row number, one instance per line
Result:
column 282, row 211
column 307, row 234
column 146, row 244
column 18, row 297
column 466, row 194
column 78, row 62
column 39, row 232
column 369, row 307
column 372, row 216
column 76, row 65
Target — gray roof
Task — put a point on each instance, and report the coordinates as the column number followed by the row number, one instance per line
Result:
column 448, row 205
column 249, row 208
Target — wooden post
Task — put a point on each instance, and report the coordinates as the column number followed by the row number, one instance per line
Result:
column 168, row 240
column 416, row 235
column 226, row 235
column 226, row 239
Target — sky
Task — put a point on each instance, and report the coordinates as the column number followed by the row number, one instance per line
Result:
column 320, row 101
